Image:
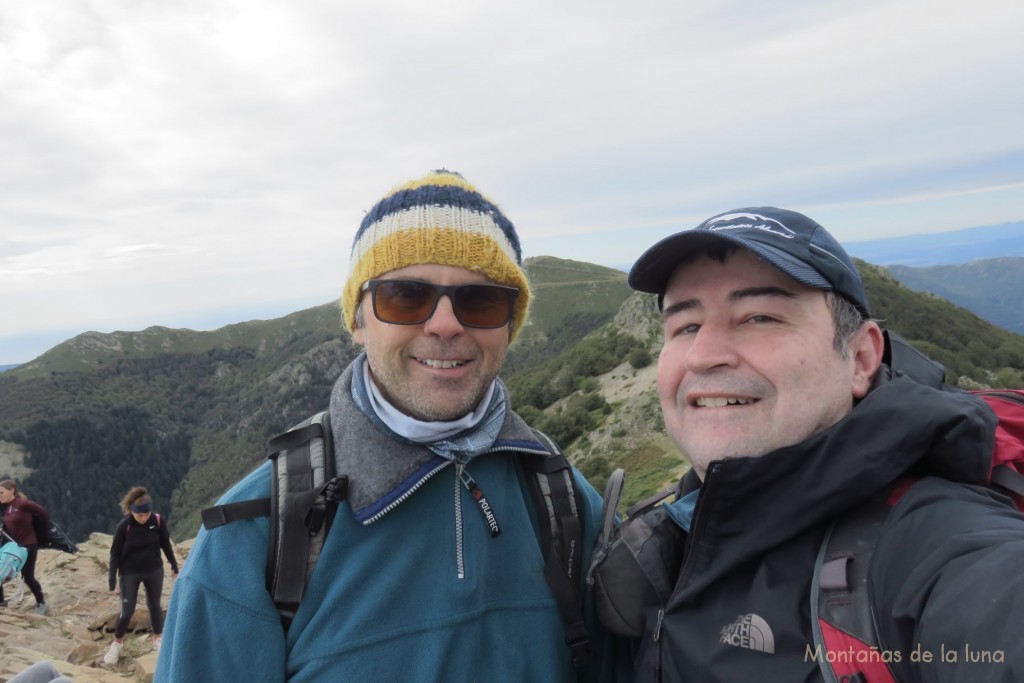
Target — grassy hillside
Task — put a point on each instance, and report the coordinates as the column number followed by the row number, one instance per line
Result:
column 188, row 413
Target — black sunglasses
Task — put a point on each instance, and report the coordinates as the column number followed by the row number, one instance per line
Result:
column 411, row 302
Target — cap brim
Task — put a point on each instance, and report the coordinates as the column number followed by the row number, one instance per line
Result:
column 655, row 266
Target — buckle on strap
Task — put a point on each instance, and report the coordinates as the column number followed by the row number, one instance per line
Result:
column 578, row 640
column 336, row 490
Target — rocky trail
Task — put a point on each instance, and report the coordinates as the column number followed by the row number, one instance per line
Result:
column 78, row 629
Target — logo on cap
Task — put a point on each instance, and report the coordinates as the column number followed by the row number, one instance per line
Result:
column 742, row 221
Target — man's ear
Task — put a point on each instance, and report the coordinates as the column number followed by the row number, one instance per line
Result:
column 866, row 349
column 357, row 328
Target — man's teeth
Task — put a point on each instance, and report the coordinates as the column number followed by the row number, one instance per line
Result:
column 444, row 364
column 721, row 402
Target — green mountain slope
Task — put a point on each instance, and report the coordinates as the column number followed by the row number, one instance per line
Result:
column 188, row 413
column 598, row 398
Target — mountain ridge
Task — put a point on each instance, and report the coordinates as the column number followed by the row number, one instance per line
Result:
column 988, row 287
column 188, row 417
column 942, row 248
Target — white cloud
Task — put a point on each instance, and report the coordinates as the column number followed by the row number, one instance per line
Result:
column 239, row 142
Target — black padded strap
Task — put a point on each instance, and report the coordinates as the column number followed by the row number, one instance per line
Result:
column 304, row 495
column 294, row 438
column 903, row 358
column 302, row 459
column 561, row 537
column 1008, row 478
column 289, row 580
column 219, row 515
column 839, row 585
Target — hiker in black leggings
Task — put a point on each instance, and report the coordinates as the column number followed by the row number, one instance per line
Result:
column 17, row 513
column 135, row 554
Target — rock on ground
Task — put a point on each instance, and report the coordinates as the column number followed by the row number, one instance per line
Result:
column 79, row 627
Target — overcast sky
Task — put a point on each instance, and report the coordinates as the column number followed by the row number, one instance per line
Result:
column 193, row 163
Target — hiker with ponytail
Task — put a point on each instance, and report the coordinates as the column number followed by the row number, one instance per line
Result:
column 17, row 512
column 135, row 554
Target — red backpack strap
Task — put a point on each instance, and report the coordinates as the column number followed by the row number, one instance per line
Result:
column 1008, row 455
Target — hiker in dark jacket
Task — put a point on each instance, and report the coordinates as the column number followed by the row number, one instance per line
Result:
column 17, row 512
column 771, row 383
column 135, row 555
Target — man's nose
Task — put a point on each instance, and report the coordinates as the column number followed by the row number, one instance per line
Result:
column 712, row 346
column 443, row 322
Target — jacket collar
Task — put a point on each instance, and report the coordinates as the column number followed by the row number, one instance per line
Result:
column 755, row 504
column 384, row 471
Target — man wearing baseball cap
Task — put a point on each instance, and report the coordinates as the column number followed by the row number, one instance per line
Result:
column 783, row 393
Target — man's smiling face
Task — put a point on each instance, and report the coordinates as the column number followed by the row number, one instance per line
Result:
column 748, row 364
column 439, row 369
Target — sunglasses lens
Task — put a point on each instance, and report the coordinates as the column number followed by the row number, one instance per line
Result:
column 483, row 305
column 409, row 302
column 403, row 302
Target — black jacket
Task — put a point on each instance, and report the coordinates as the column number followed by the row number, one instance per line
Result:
column 136, row 547
column 947, row 572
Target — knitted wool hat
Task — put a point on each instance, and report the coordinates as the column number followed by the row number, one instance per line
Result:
column 441, row 219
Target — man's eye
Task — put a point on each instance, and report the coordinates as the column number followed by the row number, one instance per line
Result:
column 688, row 329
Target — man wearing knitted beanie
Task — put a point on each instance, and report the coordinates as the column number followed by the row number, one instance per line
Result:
column 438, row 565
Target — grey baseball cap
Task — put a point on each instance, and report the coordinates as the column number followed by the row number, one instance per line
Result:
column 788, row 240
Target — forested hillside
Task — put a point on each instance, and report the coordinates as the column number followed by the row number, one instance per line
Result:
column 188, row 413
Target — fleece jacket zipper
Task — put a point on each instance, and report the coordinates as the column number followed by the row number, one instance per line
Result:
column 464, row 480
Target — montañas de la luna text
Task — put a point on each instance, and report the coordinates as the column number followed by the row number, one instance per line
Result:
column 851, row 655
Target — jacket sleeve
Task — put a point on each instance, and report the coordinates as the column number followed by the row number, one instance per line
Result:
column 37, row 510
column 116, row 551
column 165, row 544
column 947, row 586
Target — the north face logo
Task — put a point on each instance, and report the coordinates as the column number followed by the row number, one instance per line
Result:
column 749, row 631
column 746, row 221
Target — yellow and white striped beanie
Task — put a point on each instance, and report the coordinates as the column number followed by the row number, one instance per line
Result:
column 441, row 219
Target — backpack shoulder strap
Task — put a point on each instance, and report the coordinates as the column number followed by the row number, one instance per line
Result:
column 304, row 494
column 549, row 479
column 1007, row 474
column 300, row 514
column 841, row 616
column 904, row 359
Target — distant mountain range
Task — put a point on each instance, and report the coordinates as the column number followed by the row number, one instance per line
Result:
column 980, row 269
column 943, row 248
column 990, row 288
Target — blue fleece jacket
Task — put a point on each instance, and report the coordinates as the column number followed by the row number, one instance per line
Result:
column 422, row 592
